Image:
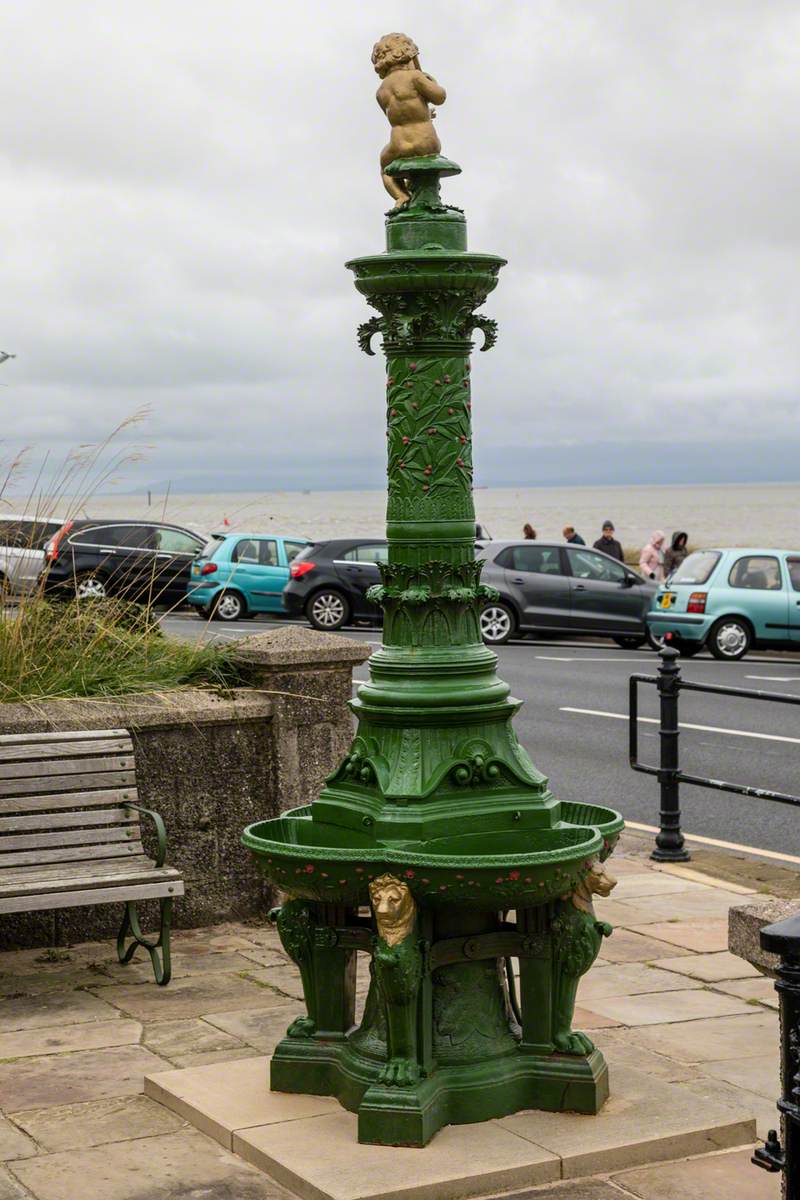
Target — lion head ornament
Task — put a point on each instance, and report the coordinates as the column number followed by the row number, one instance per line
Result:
column 394, row 908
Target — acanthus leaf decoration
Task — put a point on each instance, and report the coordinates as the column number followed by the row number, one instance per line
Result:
column 367, row 331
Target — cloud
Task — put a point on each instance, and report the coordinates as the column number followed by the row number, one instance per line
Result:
column 184, row 182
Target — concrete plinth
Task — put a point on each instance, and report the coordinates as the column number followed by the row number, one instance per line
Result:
column 308, row 1143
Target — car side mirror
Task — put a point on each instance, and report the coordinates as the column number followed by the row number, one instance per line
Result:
column 629, row 580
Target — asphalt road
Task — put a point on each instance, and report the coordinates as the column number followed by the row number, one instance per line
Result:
column 575, row 693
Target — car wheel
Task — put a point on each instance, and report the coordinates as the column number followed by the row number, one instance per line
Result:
column 497, row 624
column 730, row 639
column 631, row 642
column 655, row 640
column 230, row 606
column 328, row 610
column 90, row 587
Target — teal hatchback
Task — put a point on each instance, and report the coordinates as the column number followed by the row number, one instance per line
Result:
column 730, row 600
column 242, row 574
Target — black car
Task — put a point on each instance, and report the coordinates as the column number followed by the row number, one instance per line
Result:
column 328, row 582
column 146, row 561
column 546, row 587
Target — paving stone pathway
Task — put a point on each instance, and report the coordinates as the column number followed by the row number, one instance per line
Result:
column 78, row 1032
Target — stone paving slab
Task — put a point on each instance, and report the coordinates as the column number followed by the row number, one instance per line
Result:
column 177, row 1165
column 189, row 997
column 320, row 1159
column 10, row 1189
column 260, row 1027
column 702, row 936
column 717, row 1175
column 658, row 1008
column 14, row 1144
column 650, row 883
column 185, row 1038
column 79, row 1126
column 91, row 1035
column 710, row 968
column 625, row 946
column 754, row 1034
column 760, row 1074
column 760, row 990
column 629, row 979
column 53, row 1008
column 645, row 1120
column 72, row 1078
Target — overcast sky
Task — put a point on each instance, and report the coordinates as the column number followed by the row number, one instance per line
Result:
column 182, row 183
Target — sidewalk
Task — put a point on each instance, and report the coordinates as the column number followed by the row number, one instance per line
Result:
column 78, row 1033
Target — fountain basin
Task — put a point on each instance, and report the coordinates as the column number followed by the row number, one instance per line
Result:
column 503, row 869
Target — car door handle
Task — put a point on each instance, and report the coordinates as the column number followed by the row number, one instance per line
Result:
column 580, row 587
column 517, row 580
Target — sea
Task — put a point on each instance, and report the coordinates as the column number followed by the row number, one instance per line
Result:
column 749, row 514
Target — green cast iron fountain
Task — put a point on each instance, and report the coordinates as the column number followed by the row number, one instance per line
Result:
column 436, row 848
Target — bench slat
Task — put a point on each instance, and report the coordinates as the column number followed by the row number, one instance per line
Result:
column 65, row 766
column 104, row 895
column 45, row 750
column 62, row 820
column 20, row 858
column 69, row 870
column 80, row 881
column 23, row 787
column 68, row 800
column 67, row 837
column 12, row 739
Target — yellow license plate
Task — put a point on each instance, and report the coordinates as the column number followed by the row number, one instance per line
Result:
column 667, row 600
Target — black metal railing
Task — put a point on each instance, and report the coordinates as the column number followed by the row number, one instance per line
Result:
column 782, row 939
column 670, row 846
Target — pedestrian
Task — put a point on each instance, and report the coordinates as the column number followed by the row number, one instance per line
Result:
column 651, row 560
column 675, row 553
column 608, row 543
column 569, row 535
column 529, row 533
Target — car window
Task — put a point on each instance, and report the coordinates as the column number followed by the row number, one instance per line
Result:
column 539, row 560
column 794, row 572
column 293, row 549
column 211, row 547
column 267, row 552
column 586, row 564
column 760, row 572
column 128, row 536
column 697, row 568
column 367, row 554
column 176, row 541
column 245, row 551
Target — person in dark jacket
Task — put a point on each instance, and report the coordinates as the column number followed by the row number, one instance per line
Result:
column 676, row 553
column 569, row 535
column 529, row 533
column 608, row 543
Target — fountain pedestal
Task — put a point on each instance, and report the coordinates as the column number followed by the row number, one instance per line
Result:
column 436, row 818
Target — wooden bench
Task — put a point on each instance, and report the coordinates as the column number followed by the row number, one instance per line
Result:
column 70, row 833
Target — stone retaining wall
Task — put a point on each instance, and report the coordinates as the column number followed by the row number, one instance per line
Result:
column 211, row 764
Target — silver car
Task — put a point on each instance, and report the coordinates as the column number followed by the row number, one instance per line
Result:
column 22, row 543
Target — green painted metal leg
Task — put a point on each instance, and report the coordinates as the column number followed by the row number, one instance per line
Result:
column 158, row 950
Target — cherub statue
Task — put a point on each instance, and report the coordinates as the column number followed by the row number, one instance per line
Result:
column 397, row 963
column 577, row 937
column 405, row 95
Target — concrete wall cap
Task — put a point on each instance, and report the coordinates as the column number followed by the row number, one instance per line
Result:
column 296, row 645
column 745, row 922
column 149, row 710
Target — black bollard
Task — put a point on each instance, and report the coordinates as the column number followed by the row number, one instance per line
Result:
column 669, row 839
column 783, row 939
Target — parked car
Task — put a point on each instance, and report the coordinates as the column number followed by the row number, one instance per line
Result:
column 547, row 587
column 147, row 561
column 22, row 543
column 730, row 600
column 243, row 574
column 329, row 580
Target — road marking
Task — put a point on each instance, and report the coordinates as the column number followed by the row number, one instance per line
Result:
column 559, row 658
column 766, row 737
column 707, row 841
column 776, row 678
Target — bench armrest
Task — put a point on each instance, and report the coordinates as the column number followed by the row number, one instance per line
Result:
column 161, row 829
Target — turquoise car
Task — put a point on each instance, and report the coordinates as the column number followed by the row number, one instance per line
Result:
column 730, row 600
column 242, row 574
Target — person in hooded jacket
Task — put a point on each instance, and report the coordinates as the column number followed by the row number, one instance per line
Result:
column 651, row 560
column 676, row 552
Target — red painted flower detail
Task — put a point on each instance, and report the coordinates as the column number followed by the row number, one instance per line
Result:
column 401, row 466
column 414, row 404
column 406, row 441
column 359, row 870
column 513, row 874
column 409, row 383
column 394, row 412
column 309, row 868
column 465, row 382
column 499, row 880
column 447, row 378
column 425, row 487
column 438, row 382
column 412, row 366
column 450, row 412
column 391, row 379
column 462, row 439
column 432, row 431
column 409, row 874
column 459, row 462
column 428, row 470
